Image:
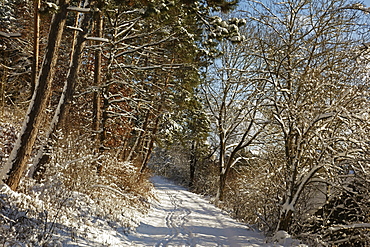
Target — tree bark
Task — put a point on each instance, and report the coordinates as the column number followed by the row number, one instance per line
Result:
column 97, row 78
column 151, row 143
column 222, row 166
column 193, row 162
column 221, row 186
column 67, row 94
column 97, row 113
column 285, row 221
column 36, row 44
column 13, row 171
column 139, row 140
column 104, row 94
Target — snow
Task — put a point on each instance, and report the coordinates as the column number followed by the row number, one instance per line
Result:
column 177, row 218
column 13, row 155
column 182, row 218
column 283, row 238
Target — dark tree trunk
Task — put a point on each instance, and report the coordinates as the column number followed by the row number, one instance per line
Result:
column 221, row 186
column 21, row 153
column 134, row 151
column 36, row 44
column 151, row 144
column 67, row 94
column 193, row 163
column 97, row 77
column 104, row 119
column 97, row 82
column 285, row 221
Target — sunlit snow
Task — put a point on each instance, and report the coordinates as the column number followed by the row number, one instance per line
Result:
column 182, row 218
column 177, row 217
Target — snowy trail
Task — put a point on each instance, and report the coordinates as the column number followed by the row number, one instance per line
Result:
column 182, row 218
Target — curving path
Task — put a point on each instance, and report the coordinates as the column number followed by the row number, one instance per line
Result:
column 182, row 218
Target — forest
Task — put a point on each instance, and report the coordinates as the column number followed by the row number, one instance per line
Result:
column 263, row 106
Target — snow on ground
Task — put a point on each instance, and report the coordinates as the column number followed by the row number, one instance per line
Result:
column 182, row 218
column 177, row 218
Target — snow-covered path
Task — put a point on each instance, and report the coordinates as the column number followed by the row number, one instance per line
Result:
column 182, row 218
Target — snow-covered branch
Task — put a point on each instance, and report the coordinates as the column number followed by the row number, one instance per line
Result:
column 351, row 226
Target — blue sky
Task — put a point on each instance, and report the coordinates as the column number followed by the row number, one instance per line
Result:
column 366, row 2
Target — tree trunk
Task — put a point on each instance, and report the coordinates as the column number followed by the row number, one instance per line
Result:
column 45, row 151
column 3, row 80
column 104, row 94
column 285, row 220
column 221, row 185
column 36, row 44
column 97, row 82
column 295, row 192
column 135, row 148
column 222, row 170
column 16, row 164
column 193, row 162
column 97, row 78
column 104, row 119
column 151, row 143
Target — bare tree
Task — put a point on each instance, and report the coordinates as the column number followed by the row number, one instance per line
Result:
column 308, row 50
column 234, row 100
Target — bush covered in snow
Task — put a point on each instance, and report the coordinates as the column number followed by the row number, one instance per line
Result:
column 343, row 219
column 72, row 201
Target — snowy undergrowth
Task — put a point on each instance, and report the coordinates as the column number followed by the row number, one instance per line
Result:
column 72, row 218
column 27, row 220
column 73, row 205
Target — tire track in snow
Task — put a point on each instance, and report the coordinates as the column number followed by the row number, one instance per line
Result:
column 176, row 220
column 230, row 236
column 180, row 218
column 218, row 220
